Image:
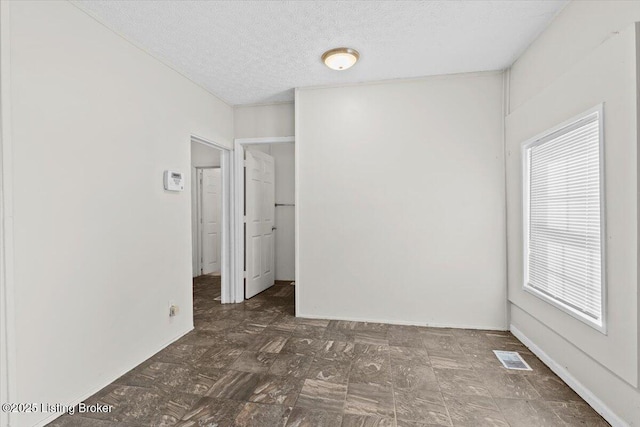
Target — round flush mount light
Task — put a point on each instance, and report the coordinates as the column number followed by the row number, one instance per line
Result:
column 341, row 58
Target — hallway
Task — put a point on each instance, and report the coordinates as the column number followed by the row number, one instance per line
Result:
column 255, row 364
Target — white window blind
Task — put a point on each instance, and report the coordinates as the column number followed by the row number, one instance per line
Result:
column 563, row 218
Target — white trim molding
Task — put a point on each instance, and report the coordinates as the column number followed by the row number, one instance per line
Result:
column 399, row 322
column 296, row 200
column 598, row 405
column 265, row 140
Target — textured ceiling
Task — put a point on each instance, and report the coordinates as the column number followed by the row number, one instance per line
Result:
column 257, row 51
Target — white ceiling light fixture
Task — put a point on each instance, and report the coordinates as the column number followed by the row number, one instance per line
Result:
column 341, row 58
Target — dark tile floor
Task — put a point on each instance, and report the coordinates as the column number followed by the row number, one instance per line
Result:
column 255, row 364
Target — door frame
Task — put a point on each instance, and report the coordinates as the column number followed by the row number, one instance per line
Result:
column 238, row 160
column 227, row 260
column 199, row 228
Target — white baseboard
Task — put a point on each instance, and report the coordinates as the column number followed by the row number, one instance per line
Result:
column 598, row 405
column 401, row 322
column 94, row 390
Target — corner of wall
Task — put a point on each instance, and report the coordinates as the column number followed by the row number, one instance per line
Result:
column 505, row 112
column 566, row 376
column 93, row 390
column 146, row 51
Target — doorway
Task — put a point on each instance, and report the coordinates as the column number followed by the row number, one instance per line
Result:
column 264, row 215
column 208, row 241
column 211, row 219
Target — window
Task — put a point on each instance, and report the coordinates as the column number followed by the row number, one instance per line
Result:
column 564, row 218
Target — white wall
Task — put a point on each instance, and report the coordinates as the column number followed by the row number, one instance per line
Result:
column 275, row 120
column 586, row 57
column 576, row 31
column 7, row 363
column 100, row 247
column 201, row 157
column 401, row 202
column 255, row 121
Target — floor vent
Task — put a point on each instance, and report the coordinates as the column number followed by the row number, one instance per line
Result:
column 512, row 360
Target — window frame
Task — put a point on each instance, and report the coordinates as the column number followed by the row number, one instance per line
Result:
column 539, row 139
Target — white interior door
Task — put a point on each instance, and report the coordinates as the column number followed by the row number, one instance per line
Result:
column 260, row 211
column 210, row 203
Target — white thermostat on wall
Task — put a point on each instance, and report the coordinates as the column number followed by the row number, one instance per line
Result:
column 173, row 181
